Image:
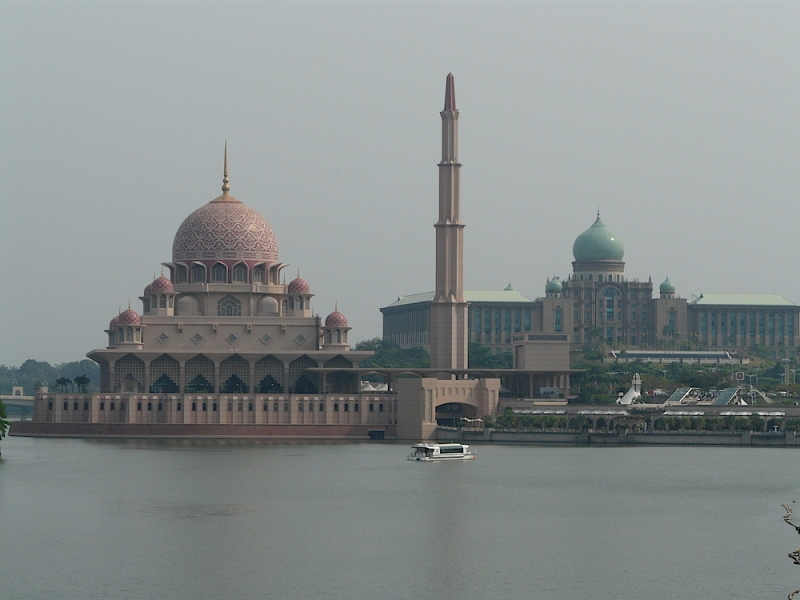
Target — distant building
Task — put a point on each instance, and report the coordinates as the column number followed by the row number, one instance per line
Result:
column 597, row 303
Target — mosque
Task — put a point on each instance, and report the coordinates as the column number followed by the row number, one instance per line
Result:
column 222, row 340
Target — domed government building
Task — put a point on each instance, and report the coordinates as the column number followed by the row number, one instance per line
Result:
column 598, row 303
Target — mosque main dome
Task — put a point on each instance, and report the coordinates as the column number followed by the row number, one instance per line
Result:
column 225, row 229
column 598, row 243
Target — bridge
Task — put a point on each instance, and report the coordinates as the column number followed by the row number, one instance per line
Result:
column 19, row 402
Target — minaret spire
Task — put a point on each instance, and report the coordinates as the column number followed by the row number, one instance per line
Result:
column 225, row 187
column 450, row 93
column 448, row 322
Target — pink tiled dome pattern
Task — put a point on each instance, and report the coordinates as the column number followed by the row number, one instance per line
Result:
column 298, row 286
column 129, row 317
column 160, row 285
column 114, row 322
column 336, row 319
column 225, row 229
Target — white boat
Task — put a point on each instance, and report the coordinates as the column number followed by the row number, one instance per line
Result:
column 427, row 452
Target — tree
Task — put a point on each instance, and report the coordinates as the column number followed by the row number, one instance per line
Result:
column 389, row 355
column 63, row 382
column 481, row 357
column 82, row 381
column 4, row 424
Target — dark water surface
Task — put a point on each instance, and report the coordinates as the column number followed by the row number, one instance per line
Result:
column 213, row 519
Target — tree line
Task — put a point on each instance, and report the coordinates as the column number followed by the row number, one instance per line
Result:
column 77, row 376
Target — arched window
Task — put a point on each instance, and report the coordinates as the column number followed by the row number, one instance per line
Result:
column 160, row 406
column 291, row 303
column 194, row 406
column 321, row 407
column 162, row 301
column 50, row 405
column 266, row 407
column 557, row 321
column 355, row 407
column 219, row 273
column 75, row 406
column 274, row 407
column 155, row 301
column 171, row 301
column 239, row 407
column 300, row 303
column 300, row 406
column 328, row 338
column 250, row 407
column 285, row 406
column 609, row 294
column 102, row 406
column 591, row 277
column 335, row 407
column 146, row 305
column 371, row 407
column 149, row 406
column 310, row 407
column 600, row 277
column 337, row 337
column 112, row 406
column 138, row 406
column 180, row 407
column 285, row 306
column 346, row 407
column 240, row 272
column 66, row 405
column 198, row 273
column 180, row 275
column 214, row 407
column 129, row 335
column 380, row 408
column 205, row 406
column 229, row 307
column 258, row 274
column 581, row 276
column 230, row 405
column 122, row 406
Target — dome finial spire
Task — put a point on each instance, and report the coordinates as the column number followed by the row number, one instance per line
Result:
column 225, row 187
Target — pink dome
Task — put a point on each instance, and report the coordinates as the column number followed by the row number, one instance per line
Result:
column 128, row 317
column 162, row 284
column 298, row 286
column 336, row 319
column 225, row 229
column 114, row 322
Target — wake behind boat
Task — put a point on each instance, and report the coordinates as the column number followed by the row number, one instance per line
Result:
column 430, row 452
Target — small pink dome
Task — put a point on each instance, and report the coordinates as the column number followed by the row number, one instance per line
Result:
column 336, row 319
column 129, row 317
column 114, row 322
column 298, row 286
column 160, row 285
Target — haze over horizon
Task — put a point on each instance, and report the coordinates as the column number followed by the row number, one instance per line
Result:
column 679, row 120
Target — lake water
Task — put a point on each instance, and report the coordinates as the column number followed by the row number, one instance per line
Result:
column 213, row 519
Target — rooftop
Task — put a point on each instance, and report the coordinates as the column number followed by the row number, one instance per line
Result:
column 743, row 299
column 500, row 296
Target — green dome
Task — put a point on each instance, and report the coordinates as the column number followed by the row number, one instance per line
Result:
column 667, row 287
column 553, row 286
column 598, row 243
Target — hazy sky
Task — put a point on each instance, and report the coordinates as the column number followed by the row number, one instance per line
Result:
column 681, row 120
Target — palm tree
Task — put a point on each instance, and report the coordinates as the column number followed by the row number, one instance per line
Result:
column 63, row 382
column 82, row 381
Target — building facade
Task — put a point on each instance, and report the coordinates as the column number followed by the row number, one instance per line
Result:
column 598, row 304
column 222, row 339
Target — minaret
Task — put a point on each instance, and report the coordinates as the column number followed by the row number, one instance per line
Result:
column 448, row 322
